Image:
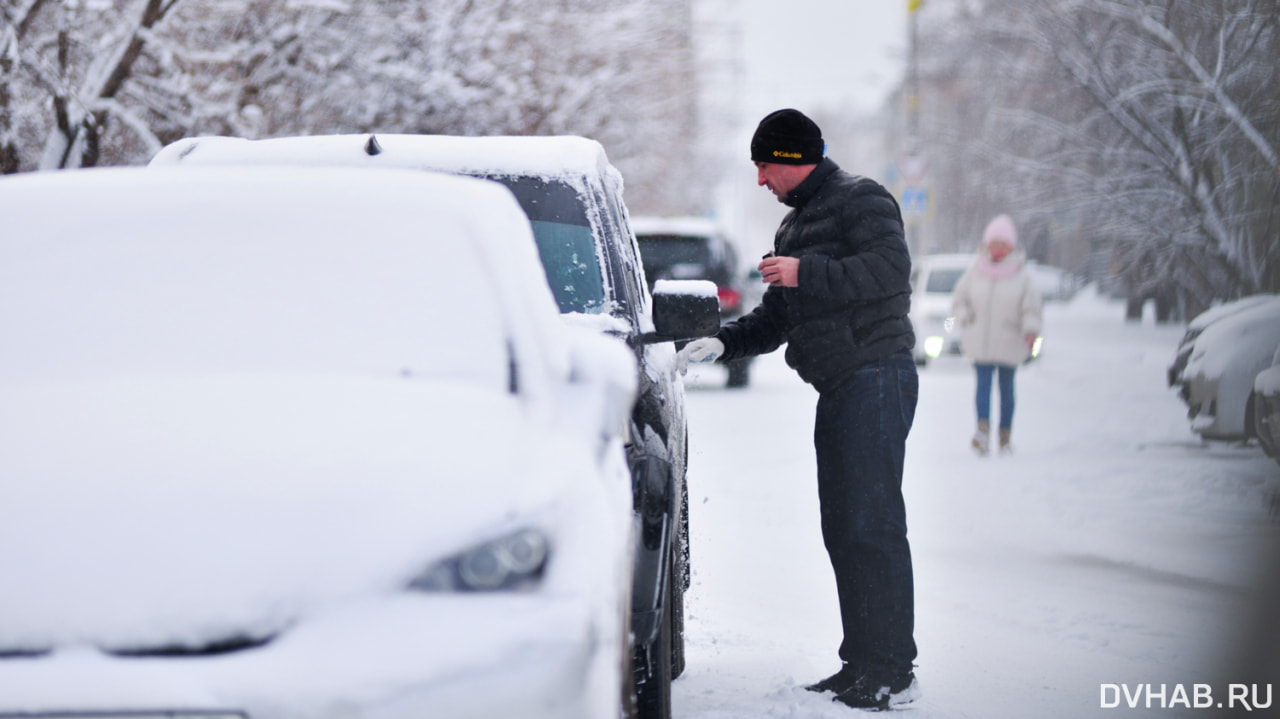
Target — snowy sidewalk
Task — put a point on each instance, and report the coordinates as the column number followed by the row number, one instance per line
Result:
column 1112, row 548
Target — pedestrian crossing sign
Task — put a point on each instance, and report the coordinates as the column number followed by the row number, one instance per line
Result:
column 915, row 200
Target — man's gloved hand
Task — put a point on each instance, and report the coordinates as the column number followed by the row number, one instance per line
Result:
column 706, row 349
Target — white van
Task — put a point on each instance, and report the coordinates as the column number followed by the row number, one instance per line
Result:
column 933, row 278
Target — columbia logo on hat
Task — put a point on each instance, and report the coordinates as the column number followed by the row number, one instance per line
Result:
column 787, row 137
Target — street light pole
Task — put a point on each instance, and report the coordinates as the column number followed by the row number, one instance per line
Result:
column 913, row 74
column 915, row 192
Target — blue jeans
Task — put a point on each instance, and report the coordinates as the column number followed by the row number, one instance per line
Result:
column 1005, row 373
column 860, row 435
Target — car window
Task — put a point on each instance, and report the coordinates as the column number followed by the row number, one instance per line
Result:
column 623, row 271
column 569, row 259
column 943, row 279
column 674, row 257
column 561, row 227
column 672, row 249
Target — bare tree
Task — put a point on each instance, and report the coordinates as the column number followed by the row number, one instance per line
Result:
column 1148, row 129
column 76, row 60
column 1191, row 139
column 123, row 77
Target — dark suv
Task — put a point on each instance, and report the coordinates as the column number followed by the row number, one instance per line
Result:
column 573, row 198
column 694, row 248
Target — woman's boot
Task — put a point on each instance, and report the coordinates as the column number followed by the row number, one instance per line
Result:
column 982, row 438
column 1004, row 440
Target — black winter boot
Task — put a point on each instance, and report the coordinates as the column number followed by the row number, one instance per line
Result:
column 838, row 682
column 881, row 693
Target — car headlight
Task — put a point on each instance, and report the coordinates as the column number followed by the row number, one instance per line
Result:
column 515, row 561
column 933, row 346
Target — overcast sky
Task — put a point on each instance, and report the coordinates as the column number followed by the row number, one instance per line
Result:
column 805, row 53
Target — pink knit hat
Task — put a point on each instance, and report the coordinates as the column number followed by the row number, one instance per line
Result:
column 1001, row 228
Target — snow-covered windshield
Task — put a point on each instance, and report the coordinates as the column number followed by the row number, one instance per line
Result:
column 557, row 212
column 255, row 276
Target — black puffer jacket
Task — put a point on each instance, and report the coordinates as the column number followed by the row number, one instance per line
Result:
column 854, row 296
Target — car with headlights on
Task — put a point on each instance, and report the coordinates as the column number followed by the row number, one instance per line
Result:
column 696, row 248
column 1217, row 383
column 302, row 444
column 933, row 279
column 572, row 197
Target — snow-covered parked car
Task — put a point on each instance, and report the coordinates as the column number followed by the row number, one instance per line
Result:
column 1218, row 380
column 302, row 443
column 933, row 279
column 1197, row 325
column 1266, row 407
column 572, row 196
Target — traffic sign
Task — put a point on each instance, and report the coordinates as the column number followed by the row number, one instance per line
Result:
column 915, row 200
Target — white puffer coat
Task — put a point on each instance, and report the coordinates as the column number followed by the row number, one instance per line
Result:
column 997, row 305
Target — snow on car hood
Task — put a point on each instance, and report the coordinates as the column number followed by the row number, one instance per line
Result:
column 145, row 513
column 1236, row 347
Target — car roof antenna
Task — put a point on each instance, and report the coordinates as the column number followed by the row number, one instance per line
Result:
column 371, row 146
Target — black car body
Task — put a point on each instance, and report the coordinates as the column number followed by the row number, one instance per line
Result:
column 695, row 248
column 573, row 198
column 1266, row 408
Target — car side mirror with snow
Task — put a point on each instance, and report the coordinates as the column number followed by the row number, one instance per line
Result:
column 682, row 310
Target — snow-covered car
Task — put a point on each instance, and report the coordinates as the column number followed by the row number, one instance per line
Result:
column 696, row 248
column 1266, row 407
column 572, row 196
column 1197, row 324
column 302, row 443
column 1217, row 383
column 933, row 279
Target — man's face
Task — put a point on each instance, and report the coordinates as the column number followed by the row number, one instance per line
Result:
column 781, row 179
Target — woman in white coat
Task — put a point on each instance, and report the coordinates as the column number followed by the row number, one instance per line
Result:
column 999, row 310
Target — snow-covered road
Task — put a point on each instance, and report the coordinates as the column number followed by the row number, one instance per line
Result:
column 1112, row 549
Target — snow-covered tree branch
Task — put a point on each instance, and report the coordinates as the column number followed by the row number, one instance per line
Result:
column 1150, row 127
column 103, row 81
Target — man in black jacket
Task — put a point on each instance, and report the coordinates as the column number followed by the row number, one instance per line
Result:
column 838, row 297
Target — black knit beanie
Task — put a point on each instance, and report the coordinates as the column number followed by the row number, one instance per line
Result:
column 787, row 137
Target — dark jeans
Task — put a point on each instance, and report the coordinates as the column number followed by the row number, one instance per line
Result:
column 860, row 434
column 1005, row 374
